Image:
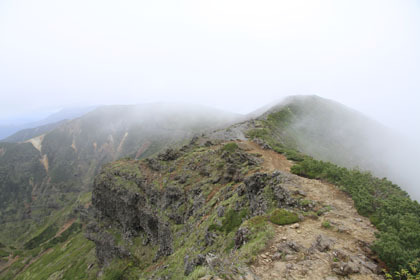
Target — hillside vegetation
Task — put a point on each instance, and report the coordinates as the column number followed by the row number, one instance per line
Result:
column 389, row 208
column 224, row 205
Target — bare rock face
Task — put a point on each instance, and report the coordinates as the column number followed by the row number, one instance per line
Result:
column 259, row 185
column 133, row 210
column 345, row 268
column 106, row 247
column 323, row 243
column 241, row 237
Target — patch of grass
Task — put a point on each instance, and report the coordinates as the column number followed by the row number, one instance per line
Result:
column 324, row 210
column 46, row 234
column 283, row 217
column 326, row 224
column 261, row 232
column 232, row 220
column 305, row 202
column 199, row 272
column 70, row 260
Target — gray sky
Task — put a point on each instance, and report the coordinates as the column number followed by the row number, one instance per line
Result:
column 236, row 55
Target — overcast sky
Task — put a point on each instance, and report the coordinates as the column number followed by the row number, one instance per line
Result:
column 235, row 55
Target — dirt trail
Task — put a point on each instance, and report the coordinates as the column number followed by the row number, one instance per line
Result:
column 272, row 160
column 348, row 233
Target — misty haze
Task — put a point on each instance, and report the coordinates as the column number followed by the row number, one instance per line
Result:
column 209, row 140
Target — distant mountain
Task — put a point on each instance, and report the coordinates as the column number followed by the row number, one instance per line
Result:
column 47, row 123
column 28, row 133
column 44, row 174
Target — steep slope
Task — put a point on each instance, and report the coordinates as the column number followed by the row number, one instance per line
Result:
column 45, row 174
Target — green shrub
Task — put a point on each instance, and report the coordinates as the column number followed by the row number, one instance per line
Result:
column 232, row 220
column 46, row 234
column 396, row 216
column 283, row 217
column 230, row 147
column 326, row 224
column 257, row 133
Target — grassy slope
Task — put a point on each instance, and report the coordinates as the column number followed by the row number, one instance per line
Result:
column 390, row 209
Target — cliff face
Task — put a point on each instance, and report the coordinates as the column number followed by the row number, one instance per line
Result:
column 224, row 209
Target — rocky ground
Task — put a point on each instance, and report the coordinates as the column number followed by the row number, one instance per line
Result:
column 206, row 212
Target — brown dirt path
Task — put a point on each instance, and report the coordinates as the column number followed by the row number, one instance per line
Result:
column 272, row 160
column 348, row 228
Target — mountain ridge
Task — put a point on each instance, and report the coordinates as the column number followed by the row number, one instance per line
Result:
column 187, row 181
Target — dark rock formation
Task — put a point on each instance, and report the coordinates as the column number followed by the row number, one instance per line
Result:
column 133, row 210
column 261, row 185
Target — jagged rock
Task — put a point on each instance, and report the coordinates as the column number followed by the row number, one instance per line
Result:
column 371, row 266
column 345, row 268
column 208, row 143
column 289, row 247
column 254, row 188
column 343, row 229
column 299, row 192
column 322, row 243
column 209, row 238
column 172, row 197
column 182, row 179
column 241, row 237
column 294, row 246
column 169, row 154
column 220, row 211
column 340, row 255
column 131, row 211
column 276, row 256
column 213, row 261
column 294, row 226
column 106, row 248
column 191, row 263
column 231, row 174
column 262, row 144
